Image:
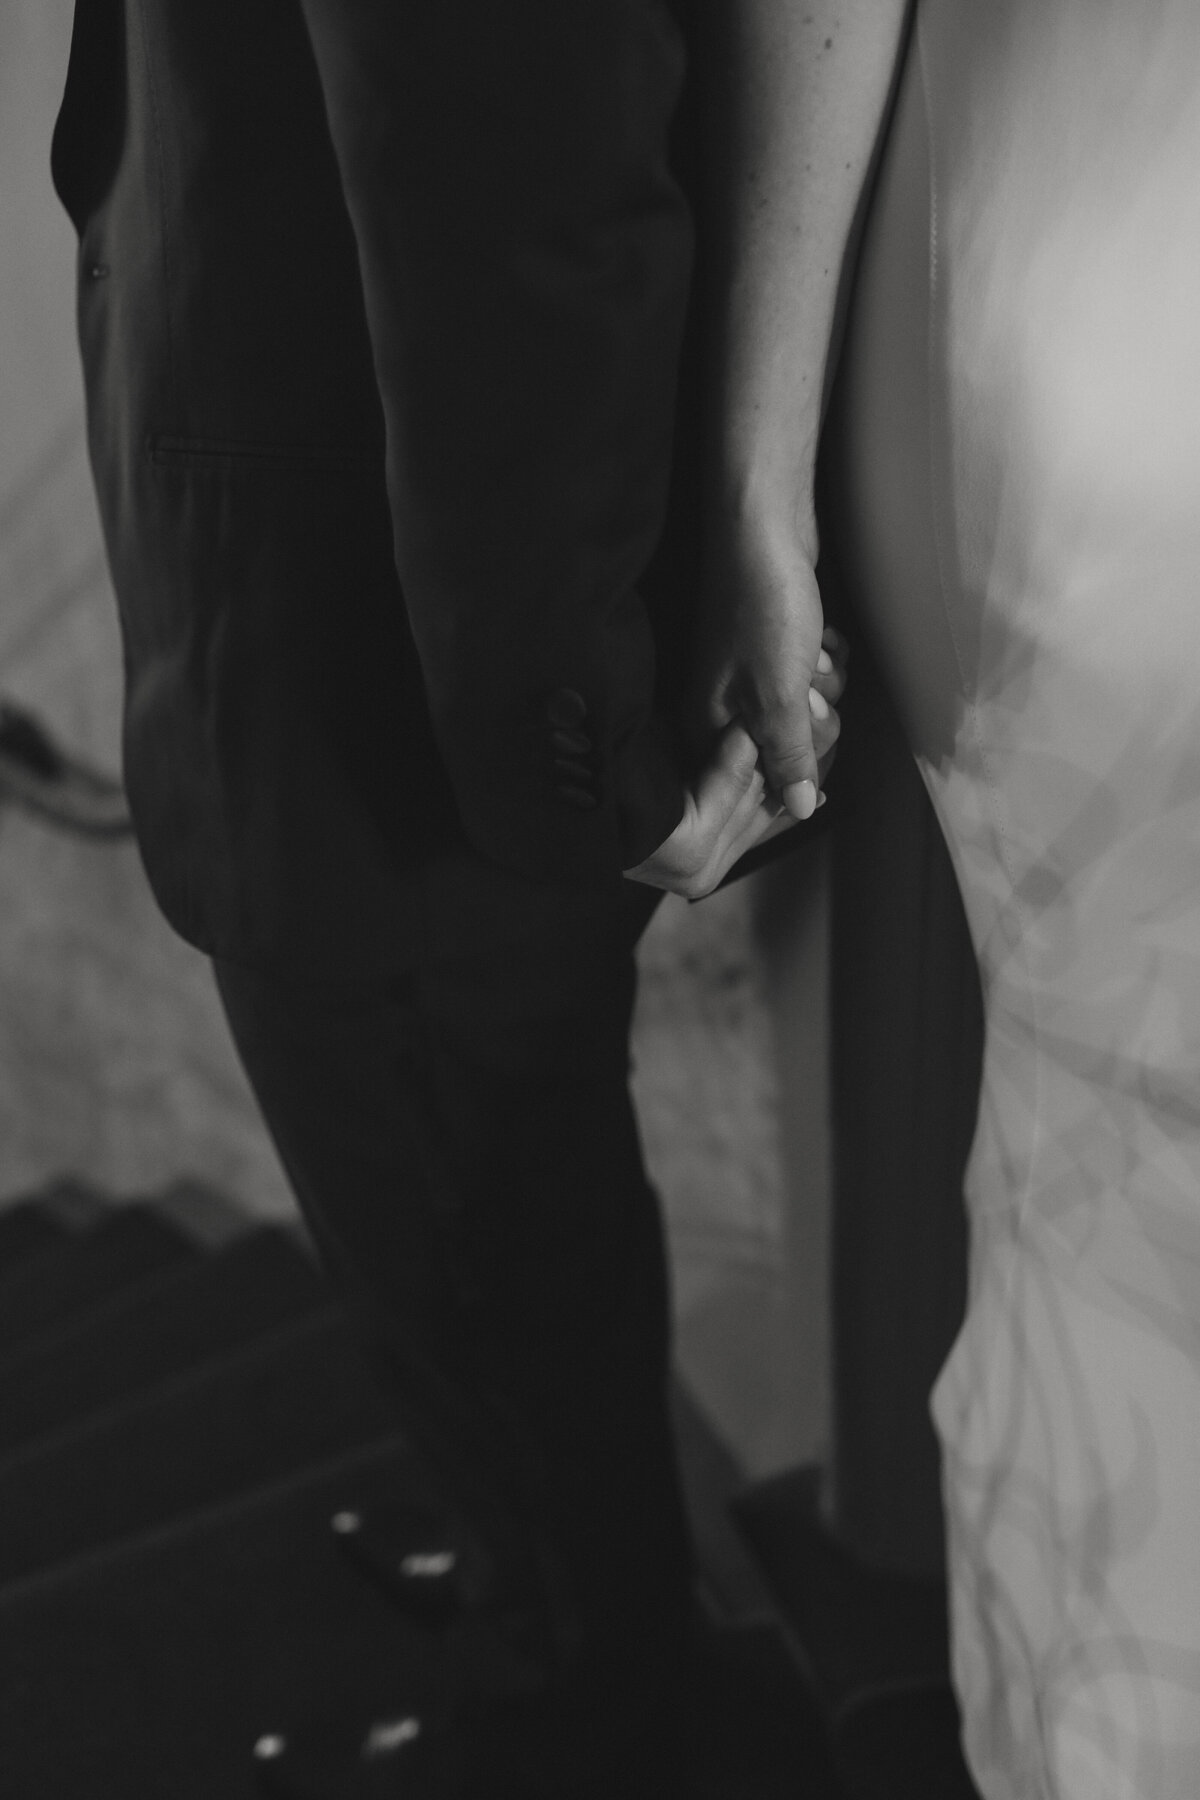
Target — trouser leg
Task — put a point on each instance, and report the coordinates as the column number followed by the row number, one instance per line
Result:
column 462, row 1144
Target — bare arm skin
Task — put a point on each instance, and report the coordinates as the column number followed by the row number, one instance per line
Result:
column 796, row 94
column 796, row 91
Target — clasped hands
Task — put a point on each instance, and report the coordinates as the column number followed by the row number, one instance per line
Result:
column 762, row 712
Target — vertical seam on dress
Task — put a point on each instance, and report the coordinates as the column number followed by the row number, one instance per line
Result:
column 989, row 784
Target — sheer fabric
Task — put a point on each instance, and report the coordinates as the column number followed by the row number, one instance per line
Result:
column 1019, row 436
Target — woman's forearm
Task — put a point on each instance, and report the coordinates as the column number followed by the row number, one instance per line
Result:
column 796, row 93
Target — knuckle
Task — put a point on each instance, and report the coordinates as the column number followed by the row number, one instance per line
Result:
column 787, row 712
column 742, row 762
column 771, row 712
column 776, row 708
column 787, row 732
column 789, row 765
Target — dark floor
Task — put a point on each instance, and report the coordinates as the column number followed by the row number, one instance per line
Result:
column 183, row 1414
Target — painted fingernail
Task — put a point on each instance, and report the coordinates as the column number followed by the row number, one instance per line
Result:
column 824, row 663
column 818, row 706
column 801, row 799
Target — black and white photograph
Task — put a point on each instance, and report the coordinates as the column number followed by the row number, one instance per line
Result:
column 600, row 900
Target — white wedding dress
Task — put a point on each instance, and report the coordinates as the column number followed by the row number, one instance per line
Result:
column 1019, row 444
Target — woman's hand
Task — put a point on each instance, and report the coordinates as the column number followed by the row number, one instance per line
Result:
column 795, row 94
column 766, row 660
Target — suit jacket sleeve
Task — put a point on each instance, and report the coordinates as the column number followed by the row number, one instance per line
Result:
column 525, row 257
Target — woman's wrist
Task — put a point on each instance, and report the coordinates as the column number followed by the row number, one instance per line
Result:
column 764, row 497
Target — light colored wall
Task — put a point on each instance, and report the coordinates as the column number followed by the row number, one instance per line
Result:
column 730, row 1082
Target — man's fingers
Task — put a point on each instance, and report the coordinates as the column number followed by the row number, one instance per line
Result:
column 756, row 818
column 732, row 807
column 720, row 807
column 731, row 777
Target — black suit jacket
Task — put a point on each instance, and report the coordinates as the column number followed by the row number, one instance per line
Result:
column 367, row 291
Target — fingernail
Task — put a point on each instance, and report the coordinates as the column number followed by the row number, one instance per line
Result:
column 824, row 663
column 818, row 706
column 821, row 799
column 801, row 799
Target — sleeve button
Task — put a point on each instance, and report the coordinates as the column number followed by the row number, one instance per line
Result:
column 583, row 799
column 566, row 709
column 572, row 771
column 571, row 743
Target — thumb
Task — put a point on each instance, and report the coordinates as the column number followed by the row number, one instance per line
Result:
column 789, row 760
column 732, row 773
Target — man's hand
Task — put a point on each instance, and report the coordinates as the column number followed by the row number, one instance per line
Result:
column 728, row 811
column 766, row 660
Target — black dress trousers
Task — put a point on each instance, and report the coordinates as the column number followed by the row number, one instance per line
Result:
column 461, row 1139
